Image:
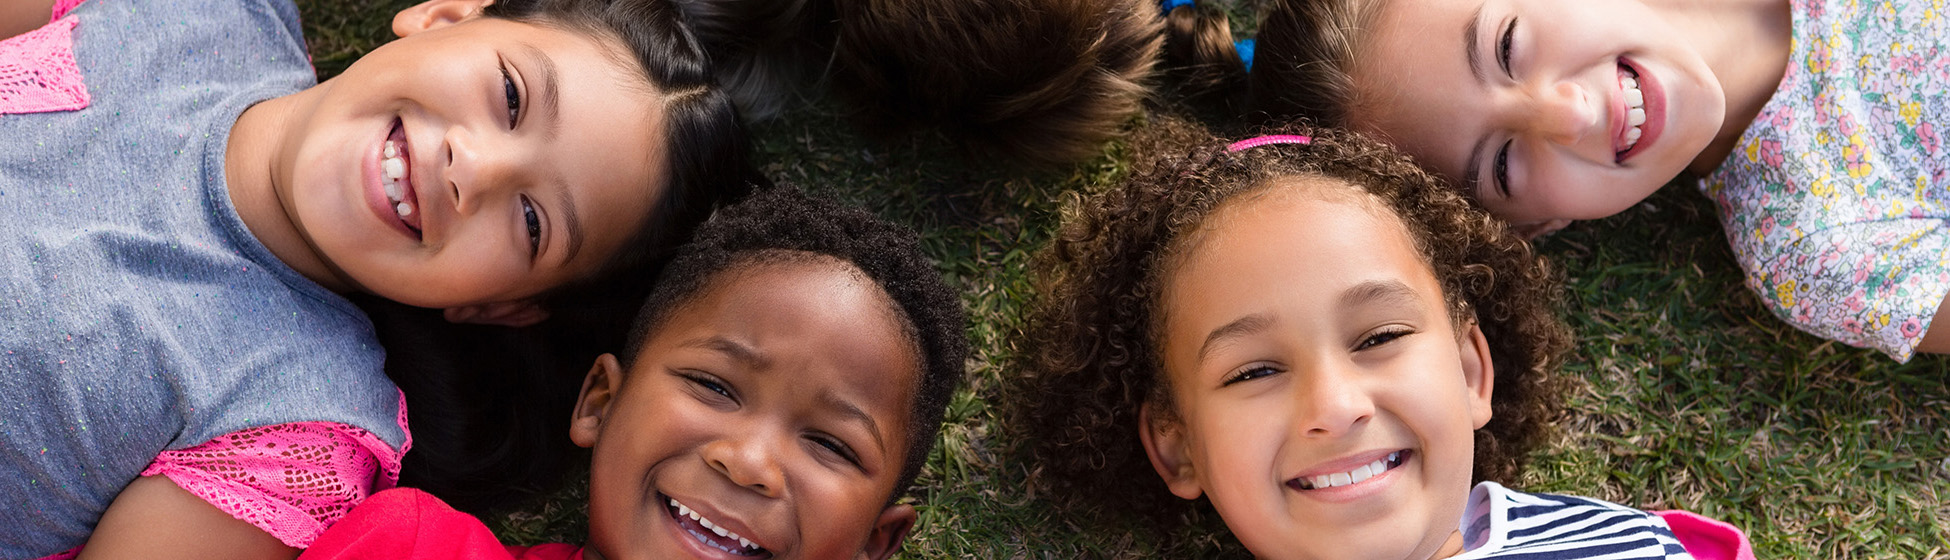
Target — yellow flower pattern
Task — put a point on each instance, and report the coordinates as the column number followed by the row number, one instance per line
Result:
column 1838, row 202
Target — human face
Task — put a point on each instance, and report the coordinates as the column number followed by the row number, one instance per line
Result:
column 773, row 406
column 527, row 156
column 1527, row 103
column 1306, row 345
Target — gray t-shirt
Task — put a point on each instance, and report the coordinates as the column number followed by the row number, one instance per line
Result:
column 137, row 313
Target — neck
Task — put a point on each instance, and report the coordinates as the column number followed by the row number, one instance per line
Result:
column 1746, row 44
column 252, row 175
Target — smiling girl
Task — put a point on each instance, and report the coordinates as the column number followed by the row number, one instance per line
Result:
column 1815, row 125
column 189, row 211
column 1315, row 336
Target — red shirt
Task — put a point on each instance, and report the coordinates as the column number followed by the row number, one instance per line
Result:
column 407, row 524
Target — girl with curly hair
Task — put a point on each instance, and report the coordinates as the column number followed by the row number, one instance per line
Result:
column 1815, row 126
column 1325, row 343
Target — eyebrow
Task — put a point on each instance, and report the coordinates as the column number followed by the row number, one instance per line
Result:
column 572, row 222
column 1473, row 164
column 1240, row 327
column 1380, row 292
column 736, row 350
column 848, row 410
column 549, row 93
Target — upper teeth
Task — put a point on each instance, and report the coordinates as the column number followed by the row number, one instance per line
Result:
column 706, row 523
column 1634, row 106
column 1359, row 474
column 392, row 169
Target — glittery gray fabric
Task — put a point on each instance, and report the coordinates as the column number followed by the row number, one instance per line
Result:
column 137, row 313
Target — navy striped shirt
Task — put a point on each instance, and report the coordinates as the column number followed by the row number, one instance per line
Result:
column 1507, row 524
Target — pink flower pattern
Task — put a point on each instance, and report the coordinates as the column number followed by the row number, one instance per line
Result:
column 1836, row 200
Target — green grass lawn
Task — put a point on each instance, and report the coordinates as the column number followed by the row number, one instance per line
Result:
column 1686, row 394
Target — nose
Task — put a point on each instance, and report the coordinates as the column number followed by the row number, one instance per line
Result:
column 1561, row 112
column 1332, row 401
column 747, row 461
column 479, row 165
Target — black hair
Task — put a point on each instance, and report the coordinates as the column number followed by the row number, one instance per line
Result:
column 489, row 405
column 1044, row 82
column 782, row 219
column 1304, row 60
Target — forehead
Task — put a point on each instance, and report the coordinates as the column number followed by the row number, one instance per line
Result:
column 819, row 322
column 1297, row 245
column 1413, row 83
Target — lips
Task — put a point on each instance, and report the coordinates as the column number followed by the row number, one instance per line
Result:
column 712, row 537
column 388, row 183
column 1334, row 481
column 394, row 162
column 1650, row 116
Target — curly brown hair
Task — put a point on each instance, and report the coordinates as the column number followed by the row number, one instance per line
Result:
column 1091, row 356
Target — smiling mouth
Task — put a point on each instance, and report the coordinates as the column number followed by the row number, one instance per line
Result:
column 710, row 534
column 1628, row 84
column 1358, row 475
column 393, row 164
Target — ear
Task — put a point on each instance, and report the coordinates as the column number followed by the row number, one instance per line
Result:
column 599, row 389
column 435, row 14
column 1164, row 443
column 1534, row 230
column 1479, row 372
column 518, row 313
column 888, row 532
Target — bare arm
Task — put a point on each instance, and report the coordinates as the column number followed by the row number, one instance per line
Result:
column 1936, row 340
column 155, row 518
column 21, row 16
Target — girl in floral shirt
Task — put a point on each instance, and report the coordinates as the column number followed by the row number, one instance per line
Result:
column 1815, row 125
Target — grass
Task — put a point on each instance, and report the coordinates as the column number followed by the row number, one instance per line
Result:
column 1687, row 393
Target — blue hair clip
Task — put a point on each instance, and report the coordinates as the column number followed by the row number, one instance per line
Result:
column 1245, row 49
column 1168, row 5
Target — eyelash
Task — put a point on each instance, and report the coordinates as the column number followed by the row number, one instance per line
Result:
column 534, row 223
column 1500, row 169
column 837, row 448
column 1383, row 337
column 709, row 384
column 1249, row 374
column 1503, row 47
column 513, row 96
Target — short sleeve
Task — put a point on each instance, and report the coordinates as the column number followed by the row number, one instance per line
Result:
column 1706, row 538
column 291, row 480
column 1874, row 284
column 407, row 524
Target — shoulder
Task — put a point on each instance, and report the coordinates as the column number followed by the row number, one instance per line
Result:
column 1570, row 527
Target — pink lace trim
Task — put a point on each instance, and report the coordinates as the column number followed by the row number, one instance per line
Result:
column 291, row 480
column 37, row 69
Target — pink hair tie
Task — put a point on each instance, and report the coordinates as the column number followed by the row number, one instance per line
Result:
column 1269, row 139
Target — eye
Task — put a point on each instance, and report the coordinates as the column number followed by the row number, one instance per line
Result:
column 1500, row 169
column 534, row 223
column 1248, row 374
column 836, row 447
column 1503, row 47
column 1382, row 337
column 709, row 383
column 512, row 95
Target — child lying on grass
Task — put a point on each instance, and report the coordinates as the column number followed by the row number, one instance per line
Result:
column 188, row 212
column 1328, row 345
column 781, row 390
column 1816, row 126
